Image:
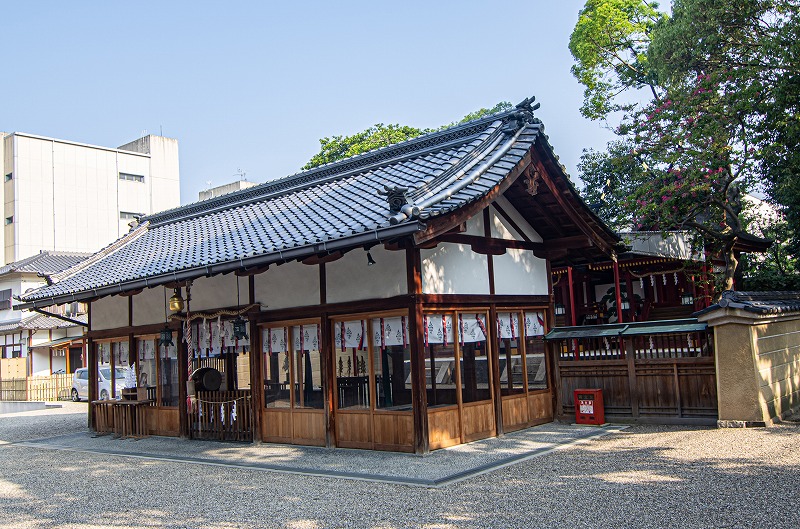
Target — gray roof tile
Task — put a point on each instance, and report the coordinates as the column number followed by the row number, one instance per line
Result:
column 336, row 205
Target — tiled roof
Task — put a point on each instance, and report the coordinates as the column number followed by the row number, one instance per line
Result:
column 758, row 302
column 45, row 262
column 337, row 206
column 40, row 321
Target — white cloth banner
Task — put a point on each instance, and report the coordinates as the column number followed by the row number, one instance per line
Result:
column 104, row 352
column 227, row 334
column 508, row 325
column 310, row 337
column 274, row 340
column 353, row 334
column 241, row 342
column 439, row 328
column 195, row 331
column 394, row 331
column 471, row 328
column 204, row 336
column 146, row 350
column 534, row 324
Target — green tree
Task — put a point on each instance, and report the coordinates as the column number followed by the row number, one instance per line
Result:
column 340, row 147
column 690, row 150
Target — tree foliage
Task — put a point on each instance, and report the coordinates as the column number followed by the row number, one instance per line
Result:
column 689, row 151
column 340, row 147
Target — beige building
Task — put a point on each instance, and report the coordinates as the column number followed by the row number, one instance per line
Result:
column 65, row 196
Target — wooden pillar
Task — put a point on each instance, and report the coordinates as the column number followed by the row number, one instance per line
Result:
column 615, row 266
column 93, row 374
column 256, row 377
column 183, row 377
column 328, row 373
column 495, row 358
column 419, row 396
column 256, row 365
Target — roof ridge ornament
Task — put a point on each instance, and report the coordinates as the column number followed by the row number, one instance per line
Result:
column 397, row 197
column 523, row 115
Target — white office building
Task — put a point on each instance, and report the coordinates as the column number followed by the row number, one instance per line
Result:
column 65, row 196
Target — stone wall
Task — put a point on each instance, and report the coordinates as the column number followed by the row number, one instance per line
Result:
column 757, row 343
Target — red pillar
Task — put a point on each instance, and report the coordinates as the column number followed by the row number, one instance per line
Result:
column 572, row 318
column 571, row 287
column 617, row 290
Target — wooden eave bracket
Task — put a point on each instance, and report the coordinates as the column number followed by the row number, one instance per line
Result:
column 323, row 258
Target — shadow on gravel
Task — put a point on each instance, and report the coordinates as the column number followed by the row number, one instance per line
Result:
column 646, row 476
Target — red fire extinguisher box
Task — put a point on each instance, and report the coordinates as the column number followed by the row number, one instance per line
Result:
column 589, row 406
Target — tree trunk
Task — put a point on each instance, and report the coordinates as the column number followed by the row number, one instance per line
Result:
column 731, row 262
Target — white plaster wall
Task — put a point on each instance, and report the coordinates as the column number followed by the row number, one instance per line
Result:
column 40, row 362
column 501, row 229
column 59, row 362
column 148, row 306
column 351, row 278
column 288, row 285
column 39, row 337
column 454, row 269
column 475, row 225
column 217, row 292
column 519, row 272
column 109, row 313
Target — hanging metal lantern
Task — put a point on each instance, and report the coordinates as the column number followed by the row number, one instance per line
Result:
column 240, row 328
column 166, row 337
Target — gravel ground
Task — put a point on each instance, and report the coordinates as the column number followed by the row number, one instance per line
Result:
column 644, row 476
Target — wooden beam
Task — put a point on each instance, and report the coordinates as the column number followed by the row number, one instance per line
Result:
column 249, row 272
column 579, row 221
column 490, row 246
column 508, row 219
column 573, row 242
column 322, row 258
column 398, row 245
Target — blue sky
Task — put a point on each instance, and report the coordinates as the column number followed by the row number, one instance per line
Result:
column 252, row 86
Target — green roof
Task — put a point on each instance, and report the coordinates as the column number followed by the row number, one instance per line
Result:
column 627, row 329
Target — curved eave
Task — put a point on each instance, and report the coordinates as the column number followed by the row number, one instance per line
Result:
column 300, row 252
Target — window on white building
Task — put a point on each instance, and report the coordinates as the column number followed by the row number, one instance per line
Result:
column 9, row 176
column 131, row 177
column 5, row 299
column 127, row 215
column 10, row 220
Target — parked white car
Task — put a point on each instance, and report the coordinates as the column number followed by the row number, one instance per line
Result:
column 80, row 383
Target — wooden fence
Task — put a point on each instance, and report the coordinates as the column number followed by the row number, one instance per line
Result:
column 222, row 416
column 47, row 388
column 660, row 372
